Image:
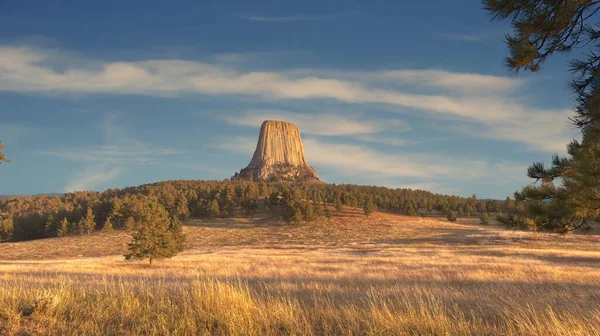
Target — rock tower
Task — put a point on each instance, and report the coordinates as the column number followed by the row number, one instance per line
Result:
column 279, row 155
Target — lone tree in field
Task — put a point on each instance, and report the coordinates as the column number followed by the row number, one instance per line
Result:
column 155, row 235
column 542, row 28
column 2, row 157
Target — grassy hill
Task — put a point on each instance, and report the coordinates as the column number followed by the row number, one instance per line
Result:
column 385, row 274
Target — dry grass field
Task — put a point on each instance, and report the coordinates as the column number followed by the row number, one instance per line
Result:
column 350, row 275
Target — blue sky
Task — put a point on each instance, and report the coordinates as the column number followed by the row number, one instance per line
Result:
column 401, row 94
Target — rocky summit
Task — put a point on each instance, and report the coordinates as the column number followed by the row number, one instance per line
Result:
column 279, row 155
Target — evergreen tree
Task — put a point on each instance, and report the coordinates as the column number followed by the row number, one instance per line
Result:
column 88, row 223
column 369, row 207
column 337, row 203
column 484, row 219
column 411, row 211
column 509, row 205
column 63, row 228
column 107, row 227
column 318, row 209
column 182, row 211
column 292, row 213
column 6, row 229
column 542, row 28
column 307, row 211
column 156, row 235
column 51, row 225
column 213, row 209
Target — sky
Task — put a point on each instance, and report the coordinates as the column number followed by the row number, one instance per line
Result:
column 403, row 94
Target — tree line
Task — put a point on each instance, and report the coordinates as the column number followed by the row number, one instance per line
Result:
column 34, row 217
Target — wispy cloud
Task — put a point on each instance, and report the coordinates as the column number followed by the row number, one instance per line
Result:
column 326, row 124
column 477, row 99
column 92, row 178
column 357, row 160
column 105, row 162
column 118, row 148
column 294, row 18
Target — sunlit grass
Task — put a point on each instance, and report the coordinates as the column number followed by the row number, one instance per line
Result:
column 407, row 278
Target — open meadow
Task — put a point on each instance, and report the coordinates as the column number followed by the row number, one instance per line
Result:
column 349, row 275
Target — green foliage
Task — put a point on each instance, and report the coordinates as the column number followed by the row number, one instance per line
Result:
column 318, row 210
column 369, row 207
column 451, row 216
column 182, row 211
column 337, row 203
column 63, row 228
column 88, row 223
column 6, row 229
column 51, row 224
column 484, row 219
column 156, row 235
column 213, row 210
column 292, row 213
column 124, row 208
column 542, row 28
column 307, row 211
column 108, row 226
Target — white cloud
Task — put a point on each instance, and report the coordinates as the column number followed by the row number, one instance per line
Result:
column 92, row 179
column 389, row 141
column 328, row 124
column 466, row 82
column 459, row 99
column 356, row 160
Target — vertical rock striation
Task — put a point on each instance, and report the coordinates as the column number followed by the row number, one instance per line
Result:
column 279, row 155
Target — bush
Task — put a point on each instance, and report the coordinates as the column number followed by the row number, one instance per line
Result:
column 484, row 219
column 451, row 216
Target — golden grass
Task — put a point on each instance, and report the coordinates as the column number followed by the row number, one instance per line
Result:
column 386, row 275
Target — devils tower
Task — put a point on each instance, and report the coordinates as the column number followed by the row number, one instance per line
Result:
column 279, row 155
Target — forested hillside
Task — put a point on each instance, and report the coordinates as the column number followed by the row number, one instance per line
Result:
column 34, row 217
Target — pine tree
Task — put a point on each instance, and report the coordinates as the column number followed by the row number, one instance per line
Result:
column 307, row 211
column 182, row 211
column 213, row 209
column 6, row 229
column 369, row 207
column 542, row 28
column 63, row 228
column 337, row 203
column 51, row 225
column 484, row 219
column 88, row 223
column 318, row 209
column 156, row 235
column 107, row 227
